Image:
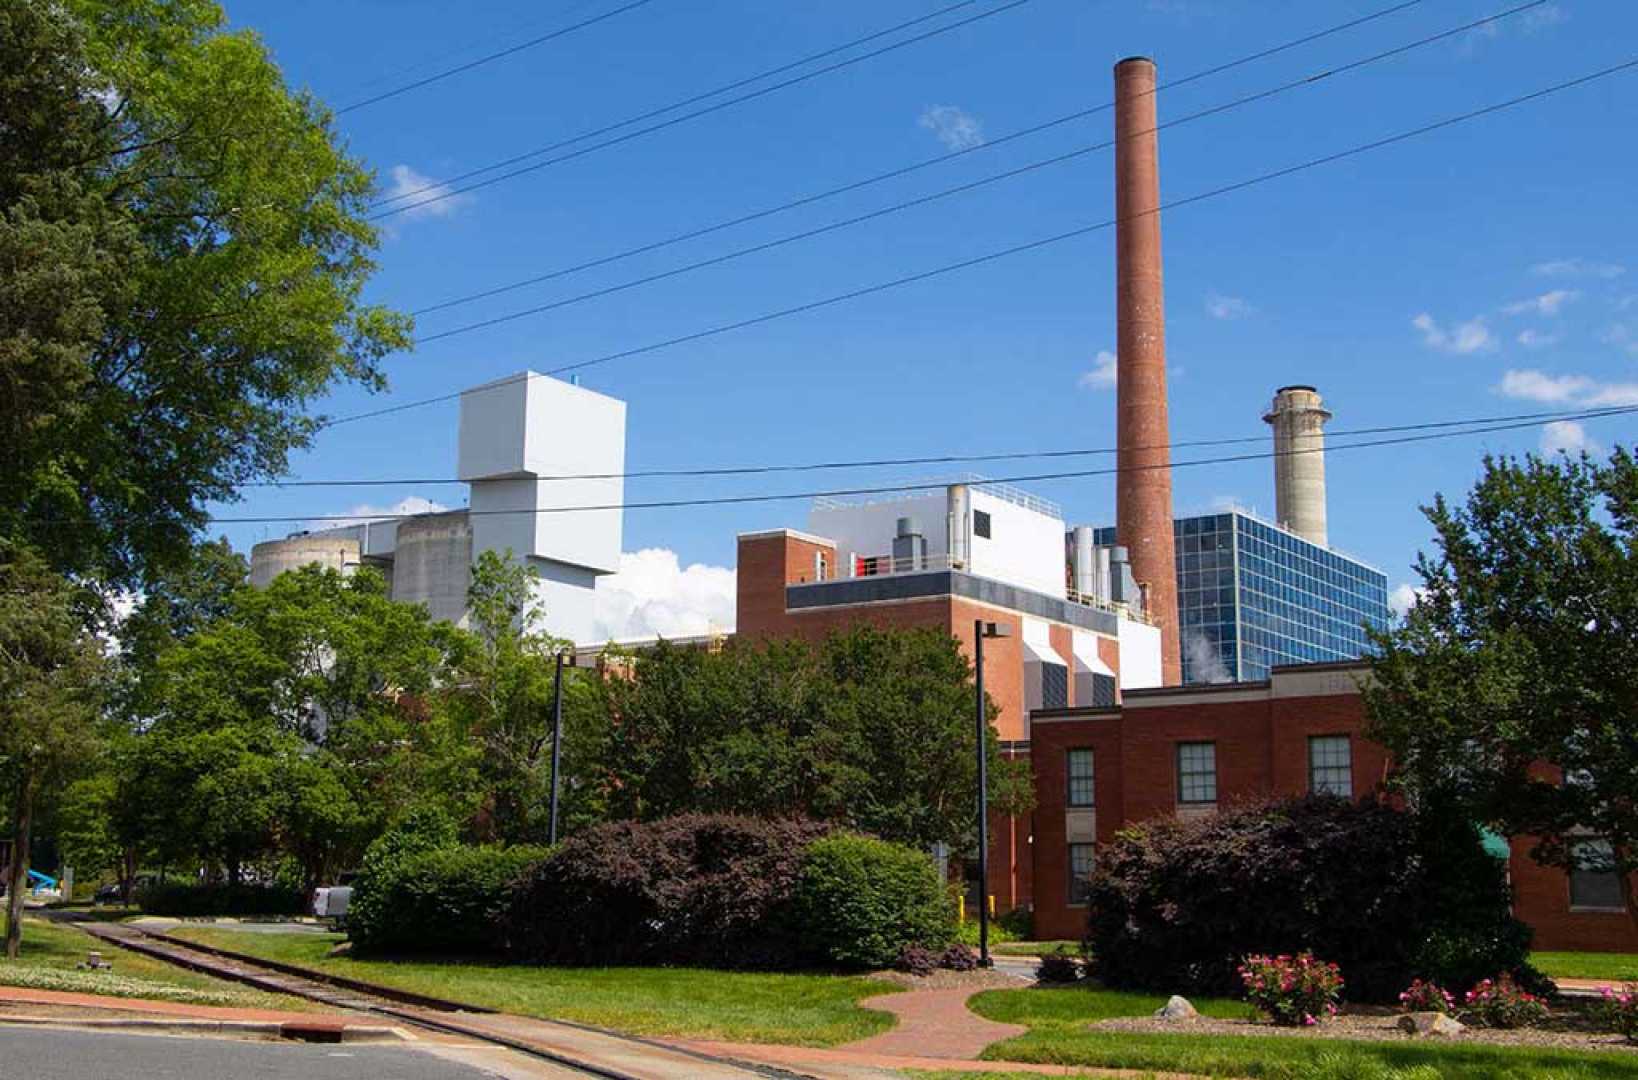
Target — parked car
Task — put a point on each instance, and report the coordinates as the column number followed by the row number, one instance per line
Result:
column 331, row 901
column 111, row 893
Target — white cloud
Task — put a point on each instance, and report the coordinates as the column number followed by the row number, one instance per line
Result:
column 1577, row 390
column 415, row 194
column 1548, row 303
column 1403, row 598
column 952, row 126
column 1219, row 306
column 357, row 515
column 1104, row 372
column 1543, row 17
column 1621, row 336
column 1579, row 267
column 1535, row 339
column 1566, row 436
column 1223, row 504
column 653, row 594
column 1534, row 385
column 1463, row 339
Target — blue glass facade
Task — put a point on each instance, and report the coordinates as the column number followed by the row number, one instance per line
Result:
column 1252, row 596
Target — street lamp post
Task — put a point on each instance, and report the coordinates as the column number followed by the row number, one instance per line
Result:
column 557, row 743
column 982, row 630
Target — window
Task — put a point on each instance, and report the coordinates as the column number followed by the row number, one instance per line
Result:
column 981, row 524
column 1331, row 765
column 1080, row 778
column 1080, row 872
column 1054, row 686
column 1593, row 881
column 1197, row 772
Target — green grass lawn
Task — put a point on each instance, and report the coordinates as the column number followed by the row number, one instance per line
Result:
column 1033, row 948
column 1057, row 1020
column 1616, row 967
column 807, row 1010
column 51, row 952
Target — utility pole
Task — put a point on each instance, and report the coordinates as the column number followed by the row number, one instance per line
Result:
column 557, row 743
column 982, row 630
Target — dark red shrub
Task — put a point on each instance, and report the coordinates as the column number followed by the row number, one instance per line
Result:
column 701, row 889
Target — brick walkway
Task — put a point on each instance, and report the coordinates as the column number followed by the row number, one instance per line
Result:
column 933, row 1024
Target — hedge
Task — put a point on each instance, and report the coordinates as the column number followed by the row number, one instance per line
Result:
column 1389, row 896
column 859, row 901
column 703, row 889
column 369, row 911
column 447, row 900
column 189, row 901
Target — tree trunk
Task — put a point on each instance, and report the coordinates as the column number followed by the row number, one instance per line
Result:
column 1629, row 891
column 22, row 814
column 127, row 879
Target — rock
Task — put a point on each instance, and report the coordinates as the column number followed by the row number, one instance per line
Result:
column 1430, row 1023
column 1178, row 1008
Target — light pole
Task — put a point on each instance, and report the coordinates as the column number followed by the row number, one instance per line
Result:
column 557, row 743
column 982, row 630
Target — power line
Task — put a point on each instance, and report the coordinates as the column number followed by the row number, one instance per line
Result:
column 944, row 459
column 492, row 57
column 439, row 190
column 973, row 185
column 989, row 143
column 1017, row 249
column 728, row 500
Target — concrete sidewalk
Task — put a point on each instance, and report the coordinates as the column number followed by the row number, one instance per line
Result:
column 59, row 1008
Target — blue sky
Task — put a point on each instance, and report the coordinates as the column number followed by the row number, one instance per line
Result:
column 1485, row 269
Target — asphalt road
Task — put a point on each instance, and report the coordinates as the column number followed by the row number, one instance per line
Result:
column 84, row 1055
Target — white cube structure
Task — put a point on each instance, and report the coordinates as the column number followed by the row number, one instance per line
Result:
column 537, row 451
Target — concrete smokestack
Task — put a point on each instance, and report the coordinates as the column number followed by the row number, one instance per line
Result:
column 1143, row 489
column 1298, row 418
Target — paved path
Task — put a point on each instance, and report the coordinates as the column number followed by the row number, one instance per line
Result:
column 58, row 998
column 933, row 1024
column 848, row 1063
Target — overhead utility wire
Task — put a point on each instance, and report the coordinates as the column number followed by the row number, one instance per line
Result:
column 947, row 268
column 492, row 57
column 972, row 185
column 990, row 142
column 938, row 459
column 439, row 190
column 727, row 500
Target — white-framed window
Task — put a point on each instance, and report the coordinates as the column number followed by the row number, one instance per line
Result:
column 1079, row 768
column 1331, row 765
column 1080, row 871
column 1197, row 772
column 1594, row 884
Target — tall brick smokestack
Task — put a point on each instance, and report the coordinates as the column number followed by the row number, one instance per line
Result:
column 1143, row 488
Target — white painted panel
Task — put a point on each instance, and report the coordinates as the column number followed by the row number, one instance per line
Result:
column 1139, row 655
column 869, row 529
column 1025, row 547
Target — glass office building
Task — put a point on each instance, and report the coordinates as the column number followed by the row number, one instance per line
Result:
column 1252, row 595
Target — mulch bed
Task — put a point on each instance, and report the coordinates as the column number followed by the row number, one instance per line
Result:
column 1565, row 1031
column 979, row 979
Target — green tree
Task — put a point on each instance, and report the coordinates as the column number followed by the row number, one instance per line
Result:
column 1510, row 690
column 502, row 698
column 51, row 673
column 872, row 729
column 182, row 257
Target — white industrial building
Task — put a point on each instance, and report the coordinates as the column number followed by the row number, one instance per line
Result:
column 530, row 447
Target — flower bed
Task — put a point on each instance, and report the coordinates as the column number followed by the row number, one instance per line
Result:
column 1292, row 991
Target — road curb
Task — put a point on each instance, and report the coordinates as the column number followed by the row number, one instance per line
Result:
column 291, row 1032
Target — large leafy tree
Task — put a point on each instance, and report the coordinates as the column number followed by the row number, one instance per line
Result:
column 50, row 680
column 182, row 258
column 1510, row 690
column 871, row 728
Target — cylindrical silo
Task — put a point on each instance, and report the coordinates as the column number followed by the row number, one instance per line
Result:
column 1298, row 418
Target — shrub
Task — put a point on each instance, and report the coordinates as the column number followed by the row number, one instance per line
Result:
column 1059, row 966
column 1386, row 895
column 1019, row 924
column 860, row 900
column 967, row 932
column 916, row 960
column 189, row 901
column 421, row 831
column 1292, row 991
column 448, row 900
column 704, row 889
column 1423, row 996
column 1619, row 1010
column 957, row 957
column 1502, row 1003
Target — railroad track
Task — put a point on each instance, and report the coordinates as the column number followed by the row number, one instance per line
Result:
column 590, row 1051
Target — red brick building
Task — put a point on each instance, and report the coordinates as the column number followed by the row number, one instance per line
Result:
column 1189, row 749
column 947, row 560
